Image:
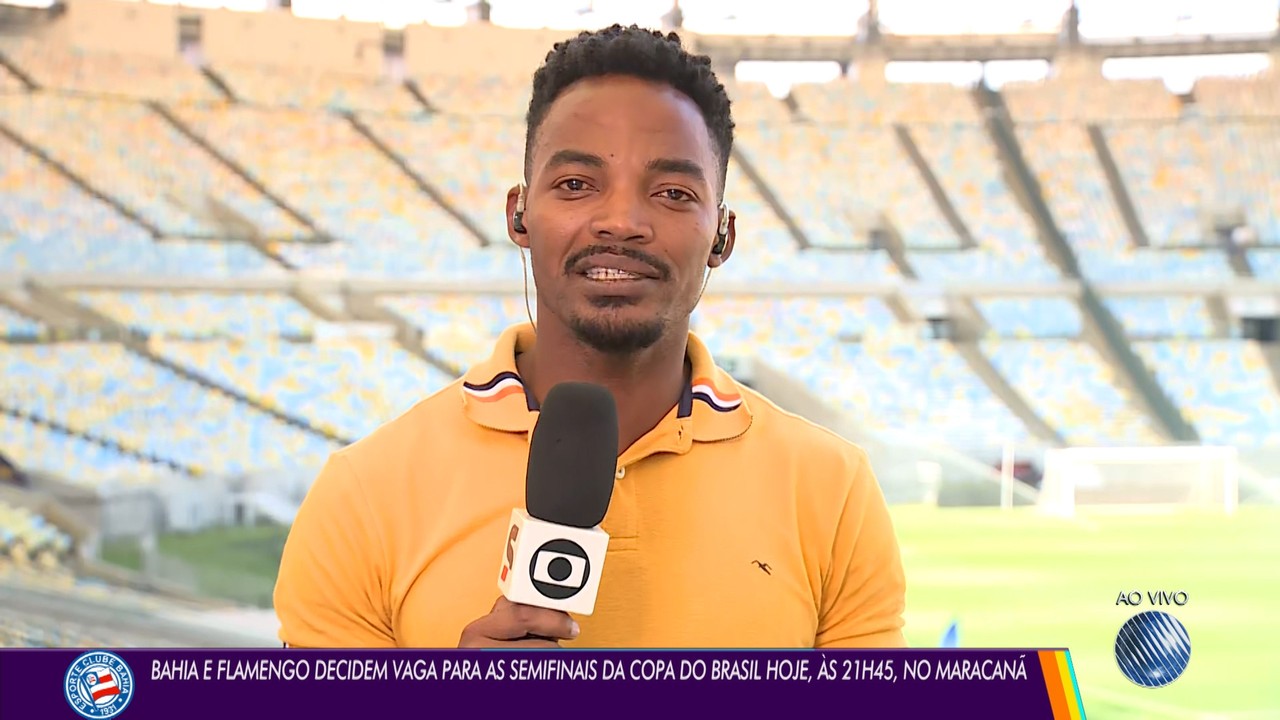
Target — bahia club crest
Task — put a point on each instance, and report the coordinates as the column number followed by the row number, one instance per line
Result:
column 98, row 685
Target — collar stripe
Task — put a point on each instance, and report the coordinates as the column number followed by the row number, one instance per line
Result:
column 500, row 378
column 495, row 391
column 703, row 390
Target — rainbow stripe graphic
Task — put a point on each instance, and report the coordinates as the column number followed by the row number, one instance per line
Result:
column 1060, row 681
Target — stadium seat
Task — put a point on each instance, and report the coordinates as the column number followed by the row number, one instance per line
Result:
column 134, row 76
column 38, row 447
column 346, row 387
column 1067, row 383
column 1162, row 318
column 964, row 160
column 1023, row 318
column 20, row 526
column 128, row 150
column 384, row 224
column 50, row 225
column 278, row 86
column 1222, row 387
column 16, row 326
column 196, row 314
column 106, row 391
column 889, row 382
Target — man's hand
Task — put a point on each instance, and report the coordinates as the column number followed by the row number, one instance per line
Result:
column 509, row 625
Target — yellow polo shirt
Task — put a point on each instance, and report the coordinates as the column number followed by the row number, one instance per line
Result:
column 732, row 524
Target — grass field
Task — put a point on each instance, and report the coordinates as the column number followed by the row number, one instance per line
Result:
column 1014, row 579
column 1018, row 579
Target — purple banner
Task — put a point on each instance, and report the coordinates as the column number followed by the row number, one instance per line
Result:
column 147, row 684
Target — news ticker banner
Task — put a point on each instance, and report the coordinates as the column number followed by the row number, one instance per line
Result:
column 145, row 684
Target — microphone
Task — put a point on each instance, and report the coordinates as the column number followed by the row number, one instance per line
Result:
column 555, row 547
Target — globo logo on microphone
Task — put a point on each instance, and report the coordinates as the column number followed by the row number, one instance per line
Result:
column 559, row 569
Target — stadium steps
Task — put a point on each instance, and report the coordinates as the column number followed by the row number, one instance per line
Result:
column 936, row 190
column 981, row 366
column 1237, row 258
column 219, row 84
column 30, row 84
column 22, row 309
column 409, row 336
column 1119, row 192
column 80, row 182
column 238, row 227
column 176, row 466
column 1100, row 326
column 235, row 167
column 893, row 244
column 316, row 306
column 770, row 198
column 1022, row 181
column 422, row 183
column 413, row 89
column 54, row 305
column 1219, row 315
column 1271, row 353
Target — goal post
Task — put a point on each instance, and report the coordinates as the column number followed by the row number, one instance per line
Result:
column 1140, row 478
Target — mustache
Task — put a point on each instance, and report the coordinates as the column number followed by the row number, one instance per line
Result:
column 664, row 272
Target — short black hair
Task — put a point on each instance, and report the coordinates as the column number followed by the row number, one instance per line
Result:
column 636, row 52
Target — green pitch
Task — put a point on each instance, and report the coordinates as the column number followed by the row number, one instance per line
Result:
column 1019, row 579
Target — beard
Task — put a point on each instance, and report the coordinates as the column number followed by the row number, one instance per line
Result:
column 609, row 332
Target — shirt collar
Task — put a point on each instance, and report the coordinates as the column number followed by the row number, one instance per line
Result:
column 712, row 406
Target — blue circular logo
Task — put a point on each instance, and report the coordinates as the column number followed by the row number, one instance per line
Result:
column 98, row 685
column 1153, row 649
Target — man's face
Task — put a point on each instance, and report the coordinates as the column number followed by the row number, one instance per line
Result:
column 621, row 211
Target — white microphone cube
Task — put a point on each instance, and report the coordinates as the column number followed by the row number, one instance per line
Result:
column 552, row 566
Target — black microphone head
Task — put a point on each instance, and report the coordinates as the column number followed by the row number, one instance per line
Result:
column 573, row 456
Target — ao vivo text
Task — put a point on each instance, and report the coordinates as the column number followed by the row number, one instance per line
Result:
column 1162, row 597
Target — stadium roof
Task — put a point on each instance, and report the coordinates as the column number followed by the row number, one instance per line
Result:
column 1248, row 27
column 1099, row 19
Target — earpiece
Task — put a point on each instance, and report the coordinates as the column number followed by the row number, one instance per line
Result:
column 517, row 218
column 722, row 234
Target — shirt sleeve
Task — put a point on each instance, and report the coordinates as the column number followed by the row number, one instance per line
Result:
column 864, row 593
column 330, row 589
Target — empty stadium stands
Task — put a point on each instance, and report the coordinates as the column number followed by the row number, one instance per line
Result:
column 128, row 166
column 347, row 387
column 1222, row 387
column 107, row 392
column 72, row 456
column 277, row 86
column 193, row 315
column 21, row 527
column 130, row 151
column 49, row 224
column 118, row 74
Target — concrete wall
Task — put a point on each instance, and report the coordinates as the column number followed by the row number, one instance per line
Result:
column 280, row 39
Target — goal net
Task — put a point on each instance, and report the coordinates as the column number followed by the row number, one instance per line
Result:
column 1140, row 478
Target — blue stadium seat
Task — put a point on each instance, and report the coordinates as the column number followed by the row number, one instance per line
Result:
column 1067, row 383
column 13, row 325
column 1223, row 388
column 202, row 314
column 107, row 391
column 1158, row 317
column 1023, row 317
column 347, row 387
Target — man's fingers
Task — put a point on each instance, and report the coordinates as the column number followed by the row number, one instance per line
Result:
column 509, row 624
column 531, row 643
column 529, row 620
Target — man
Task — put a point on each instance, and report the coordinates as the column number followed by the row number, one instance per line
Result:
column 732, row 523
